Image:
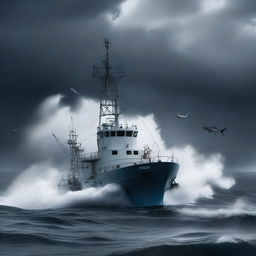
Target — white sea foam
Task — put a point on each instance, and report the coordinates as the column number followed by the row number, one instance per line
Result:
column 36, row 187
column 239, row 208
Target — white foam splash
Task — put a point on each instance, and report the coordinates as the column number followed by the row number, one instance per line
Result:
column 227, row 239
column 197, row 177
column 36, row 188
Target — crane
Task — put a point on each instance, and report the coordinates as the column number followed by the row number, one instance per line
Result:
column 61, row 146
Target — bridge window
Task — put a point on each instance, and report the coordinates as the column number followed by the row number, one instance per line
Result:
column 114, row 152
column 120, row 133
column 135, row 152
column 128, row 152
column 129, row 133
column 101, row 134
column 113, row 133
column 135, row 134
column 106, row 134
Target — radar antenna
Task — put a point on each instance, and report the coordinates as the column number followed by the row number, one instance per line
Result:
column 109, row 106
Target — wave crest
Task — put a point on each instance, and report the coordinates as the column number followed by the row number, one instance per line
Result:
column 239, row 209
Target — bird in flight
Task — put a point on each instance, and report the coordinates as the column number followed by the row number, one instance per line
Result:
column 214, row 130
column 182, row 116
column 74, row 91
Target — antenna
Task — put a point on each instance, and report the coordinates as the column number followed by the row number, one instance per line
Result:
column 71, row 123
column 109, row 106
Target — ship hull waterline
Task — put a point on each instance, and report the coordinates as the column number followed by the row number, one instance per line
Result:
column 144, row 184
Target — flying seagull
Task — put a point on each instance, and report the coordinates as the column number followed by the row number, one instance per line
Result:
column 215, row 130
column 182, row 116
column 74, row 91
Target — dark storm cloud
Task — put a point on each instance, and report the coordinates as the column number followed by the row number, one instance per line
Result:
column 177, row 57
column 37, row 12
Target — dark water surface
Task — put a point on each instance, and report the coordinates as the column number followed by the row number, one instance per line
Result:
column 224, row 225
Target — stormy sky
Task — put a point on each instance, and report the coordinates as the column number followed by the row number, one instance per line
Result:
column 179, row 56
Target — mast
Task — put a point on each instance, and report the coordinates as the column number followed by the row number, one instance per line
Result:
column 109, row 105
column 75, row 150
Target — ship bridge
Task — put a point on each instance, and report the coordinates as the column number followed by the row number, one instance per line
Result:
column 117, row 144
column 117, row 137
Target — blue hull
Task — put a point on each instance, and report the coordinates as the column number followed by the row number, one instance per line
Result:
column 144, row 184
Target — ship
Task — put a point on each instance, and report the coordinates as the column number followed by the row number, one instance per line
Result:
column 143, row 177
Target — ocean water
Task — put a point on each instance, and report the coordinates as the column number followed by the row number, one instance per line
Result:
column 222, row 225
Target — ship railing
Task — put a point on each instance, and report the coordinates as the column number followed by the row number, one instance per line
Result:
column 89, row 157
column 136, row 161
column 170, row 159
